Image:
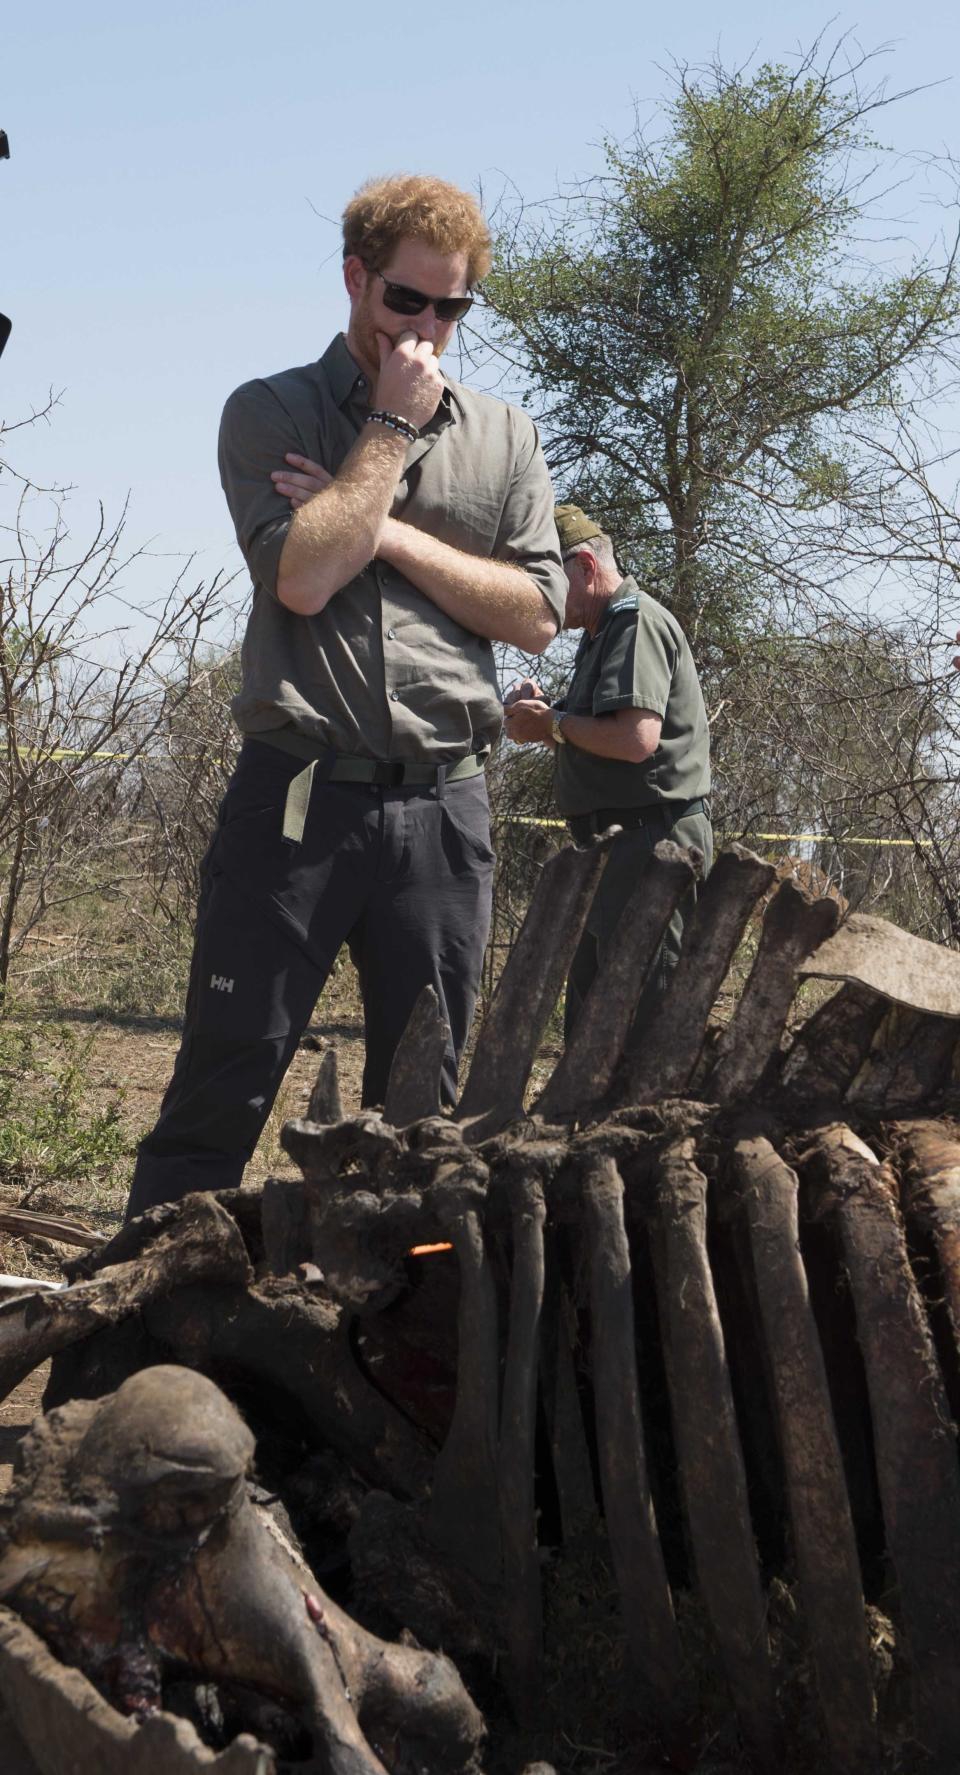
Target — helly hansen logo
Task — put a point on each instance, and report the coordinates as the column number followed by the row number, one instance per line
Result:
column 220, row 983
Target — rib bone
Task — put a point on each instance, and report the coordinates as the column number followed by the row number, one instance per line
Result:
column 823, row 1538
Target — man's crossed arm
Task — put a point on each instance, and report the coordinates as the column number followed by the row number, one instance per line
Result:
column 342, row 521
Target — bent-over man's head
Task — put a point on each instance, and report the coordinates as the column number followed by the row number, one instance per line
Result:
column 413, row 249
column 590, row 562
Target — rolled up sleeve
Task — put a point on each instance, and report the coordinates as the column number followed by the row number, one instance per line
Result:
column 636, row 669
column 527, row 535
column 256, row 432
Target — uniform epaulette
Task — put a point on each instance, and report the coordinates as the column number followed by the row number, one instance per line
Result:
column 630, row 602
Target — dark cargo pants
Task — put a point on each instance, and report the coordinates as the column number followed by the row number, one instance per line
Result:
column 402, row 875
column 616, row 886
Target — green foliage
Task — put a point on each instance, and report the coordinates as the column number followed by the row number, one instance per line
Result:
column 705, row 366
column 48, row 1132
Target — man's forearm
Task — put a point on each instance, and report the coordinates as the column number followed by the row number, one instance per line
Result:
column 490, row 598
column 334, row 535
column 628, row 735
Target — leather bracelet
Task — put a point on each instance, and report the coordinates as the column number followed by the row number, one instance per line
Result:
column 395, row 422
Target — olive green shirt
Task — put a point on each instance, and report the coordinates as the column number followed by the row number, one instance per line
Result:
column 381, row 672
column 638, row 659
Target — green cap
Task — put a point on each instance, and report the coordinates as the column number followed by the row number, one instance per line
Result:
column 574, row 526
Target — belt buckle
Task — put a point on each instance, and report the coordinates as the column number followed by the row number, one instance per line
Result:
column 388, row 773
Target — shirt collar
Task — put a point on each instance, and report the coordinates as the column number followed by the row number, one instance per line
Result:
column 347, row 380
column 342, row 370
column 628, row 587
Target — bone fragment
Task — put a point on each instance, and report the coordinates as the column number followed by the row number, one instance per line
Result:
column 653, row 1646
column 198, row 1242
column 67, row 1726
column 517, row 1454
column 793, row 926
column 708, row 1445
column 668, row 1049
column 584, row 1072
column 463, row 1517
column 413, row 1088
column 823, row 1536
column 915, row 1441
column 928, row 1156
column 26, row 1223
column 529, row 988
column 910, row 970
column 324, row 1105
column 830, row 1047
column 908, row 1061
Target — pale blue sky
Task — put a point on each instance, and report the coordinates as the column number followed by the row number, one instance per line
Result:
column 157, row 240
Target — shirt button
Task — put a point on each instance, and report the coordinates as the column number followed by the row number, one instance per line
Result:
column 394, row 696
column 391, row 634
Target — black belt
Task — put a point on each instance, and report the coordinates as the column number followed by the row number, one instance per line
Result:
column 334, row 767
column 656, row 813
column 385, row 773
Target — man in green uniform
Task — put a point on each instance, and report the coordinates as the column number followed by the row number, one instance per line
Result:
column 630, row 741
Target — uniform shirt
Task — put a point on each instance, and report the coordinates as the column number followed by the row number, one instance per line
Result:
column 381, row 672
column 638, row 659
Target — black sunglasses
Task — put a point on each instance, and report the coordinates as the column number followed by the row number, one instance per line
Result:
column 401, row 299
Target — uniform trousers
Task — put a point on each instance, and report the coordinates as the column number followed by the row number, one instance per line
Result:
column 402, row 875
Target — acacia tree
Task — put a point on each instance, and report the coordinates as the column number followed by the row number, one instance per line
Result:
column 727, row 371
column 716, row 361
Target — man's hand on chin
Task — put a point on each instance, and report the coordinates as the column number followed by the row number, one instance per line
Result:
column 410, row 382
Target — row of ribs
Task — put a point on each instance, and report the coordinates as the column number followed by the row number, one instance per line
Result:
column 762, row 1212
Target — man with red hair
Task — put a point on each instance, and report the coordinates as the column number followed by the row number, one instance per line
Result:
column 395, row 524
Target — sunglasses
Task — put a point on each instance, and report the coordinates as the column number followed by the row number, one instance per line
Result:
column 401, row 299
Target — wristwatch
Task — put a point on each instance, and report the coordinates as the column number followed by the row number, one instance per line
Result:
column 556, row 727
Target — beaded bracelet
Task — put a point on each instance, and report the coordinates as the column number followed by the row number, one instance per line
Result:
column 396, row 423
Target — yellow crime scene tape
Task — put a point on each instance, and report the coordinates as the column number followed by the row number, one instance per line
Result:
column 768, row 837
column 508, row 819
